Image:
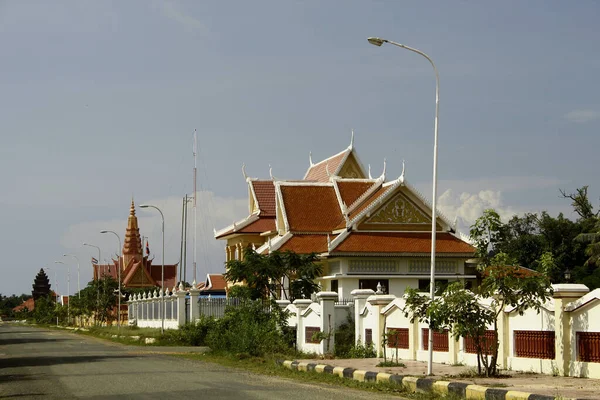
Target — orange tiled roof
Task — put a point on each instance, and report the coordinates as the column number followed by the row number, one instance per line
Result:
column 352, row 190
column 401, row 242
column 318, row 172
column 305, row 244
column 217, row 282
column 378, row 193
column 265, row 196
column 259, row 226
column 29, row 304
column 311, row 208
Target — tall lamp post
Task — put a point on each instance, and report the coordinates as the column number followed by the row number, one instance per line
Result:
column 378, row 42
column 99, row 255
column 68, row 290
column 77, row 259
column 119, row 278
column 98, row 278
column 162, row 277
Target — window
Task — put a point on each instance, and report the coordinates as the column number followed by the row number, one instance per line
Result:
column 309, row 331
column 440, row 284
column 368, row 337
column 334, row 285
column 372, row 284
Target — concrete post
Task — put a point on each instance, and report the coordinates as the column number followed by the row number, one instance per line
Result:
column 181, row 294
column 563, row 295
column 301, row 305
column 503, row 340
column 194, row 307
column 378, row 302
column 360, row 300
column 282, row 304
column 327, row 301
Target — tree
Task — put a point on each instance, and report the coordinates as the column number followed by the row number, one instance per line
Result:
column 581, row 204
column 97, row 299
column 487, row 234
column 276, row 274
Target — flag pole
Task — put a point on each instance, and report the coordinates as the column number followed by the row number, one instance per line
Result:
column 195, row 217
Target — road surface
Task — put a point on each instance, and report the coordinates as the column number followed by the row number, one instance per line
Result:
column 40, row 363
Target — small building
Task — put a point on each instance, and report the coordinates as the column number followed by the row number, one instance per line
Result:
column 366, row 231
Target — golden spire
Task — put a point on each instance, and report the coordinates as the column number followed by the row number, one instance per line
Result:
column 132, row 247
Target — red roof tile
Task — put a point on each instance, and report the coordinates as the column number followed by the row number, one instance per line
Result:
column 311, row 208
column 377, row 194
column 155, row 273
column 401, row 242
column 305, row 244
column 217, row 282
column 259, row 226
column 29, row 304
column 318, row 172
column 265, row 196
column 351, row 191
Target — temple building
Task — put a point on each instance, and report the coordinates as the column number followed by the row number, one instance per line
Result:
column 368, row 232
column 137, row 269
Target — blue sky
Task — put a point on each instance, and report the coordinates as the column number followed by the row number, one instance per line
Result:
column 99, row 101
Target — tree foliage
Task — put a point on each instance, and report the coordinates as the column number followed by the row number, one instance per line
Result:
column 278, row 274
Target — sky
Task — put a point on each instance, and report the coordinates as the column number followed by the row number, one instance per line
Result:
column 99, row 101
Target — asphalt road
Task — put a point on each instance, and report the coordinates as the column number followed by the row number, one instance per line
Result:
column 37, row 363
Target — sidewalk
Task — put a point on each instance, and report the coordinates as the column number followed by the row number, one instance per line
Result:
column 557, row 386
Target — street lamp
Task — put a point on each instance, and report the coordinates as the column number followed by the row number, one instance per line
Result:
column 162, row 278
column 119, row 278
column 68, row 290
column 568, row 275
column 99, row 255
column 77, row 259
column 378, row 42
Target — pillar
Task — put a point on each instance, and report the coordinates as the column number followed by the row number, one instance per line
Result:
column 503, row 340
column 194, row 307
column 563, row 295
column 360, row 300
column 327, row 301
column 378, row 302
column 180, row 295
column 301, row 306
column 227, row 254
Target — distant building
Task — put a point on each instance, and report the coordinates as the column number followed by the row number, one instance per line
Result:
column 41, row 288
column 369, row 233
column 137, row 269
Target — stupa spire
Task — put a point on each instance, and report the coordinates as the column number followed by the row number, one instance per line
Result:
column 132, row 246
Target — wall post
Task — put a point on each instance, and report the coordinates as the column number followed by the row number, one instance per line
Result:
column 564, row 294
column 327, row 301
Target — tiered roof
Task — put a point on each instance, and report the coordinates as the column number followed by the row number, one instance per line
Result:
column 337, row 210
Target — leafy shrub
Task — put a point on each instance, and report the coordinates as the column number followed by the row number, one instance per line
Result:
column 249, row 329
column 189, row 334
column 344, row 339
column 362, row 351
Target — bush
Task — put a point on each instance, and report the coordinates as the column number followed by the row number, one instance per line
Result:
column 249, row 329
column 189, row 334
column 344, row 339
column 362, row 351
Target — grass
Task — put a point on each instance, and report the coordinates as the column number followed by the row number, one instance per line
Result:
column 268, row 366
column 391, row 364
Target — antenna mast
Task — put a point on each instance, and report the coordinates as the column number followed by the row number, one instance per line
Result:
column 195, row 218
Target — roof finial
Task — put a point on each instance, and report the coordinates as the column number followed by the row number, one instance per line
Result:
column 328, row 242
column 327, row 170
column 384, row 168
column 310, row 158
column 370, row 177
column 269, row 243
column 234, row 226
column 271, row 172
column 244, row 171
column 351, row 141
column 132, row 209
column 455, row 224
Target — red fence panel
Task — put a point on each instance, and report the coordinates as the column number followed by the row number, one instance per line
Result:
column 398, row 338
column 488, row 341
column 534, row 344
column 309, row 331
column 440, row 340
column 588, row 346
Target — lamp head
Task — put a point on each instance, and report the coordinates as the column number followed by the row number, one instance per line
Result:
column 376, row 41
column 85, row 244
column 103, row 231
column 144, row 205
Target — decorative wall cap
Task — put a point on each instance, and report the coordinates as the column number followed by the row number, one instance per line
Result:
column 362, row 293
column 381, row 300
column 302, row 303
column 327, row 296
column 282, row 302
column 569, row 290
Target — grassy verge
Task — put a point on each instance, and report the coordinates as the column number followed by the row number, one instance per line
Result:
column 268, row 366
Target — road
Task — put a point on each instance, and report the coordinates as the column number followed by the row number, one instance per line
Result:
column 39, row 363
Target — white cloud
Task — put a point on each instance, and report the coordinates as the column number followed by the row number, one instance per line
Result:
column 171, row 10
column 213, row 212
column 467, row 207
column 582, row 116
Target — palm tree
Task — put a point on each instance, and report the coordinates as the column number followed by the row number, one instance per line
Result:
column 593, row 248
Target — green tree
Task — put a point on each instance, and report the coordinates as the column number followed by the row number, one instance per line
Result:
column 293, row 275
column 97, row 299
column 487, row 234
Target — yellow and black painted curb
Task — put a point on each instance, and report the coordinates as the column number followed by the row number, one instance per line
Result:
column 414, row 384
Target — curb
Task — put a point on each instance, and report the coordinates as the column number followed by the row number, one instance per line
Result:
column 414, row 384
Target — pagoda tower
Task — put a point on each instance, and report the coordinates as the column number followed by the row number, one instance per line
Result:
column 41, row 285
column 132, row 246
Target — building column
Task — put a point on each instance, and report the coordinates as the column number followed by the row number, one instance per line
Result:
column 503, row 340
column 564, row 294
column 301, row 306
column 194, row 306
column 227, row 254
column 327, row 301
